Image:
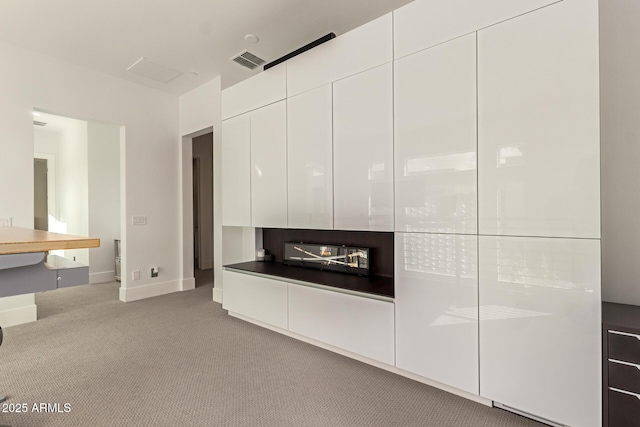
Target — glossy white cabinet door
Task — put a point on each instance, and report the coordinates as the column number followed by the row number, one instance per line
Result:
column 255, row 297
column 436, row 296
column 309, row 159
column 426, row 23
column 236, row 173
column 357, row 324
column 269, row 166
column 540, row 326
column 264, row 88
column 539, row 137
column 435, row 139
column 363, row 151
column 365, row 47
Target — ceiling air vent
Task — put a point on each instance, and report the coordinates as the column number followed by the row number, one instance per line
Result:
column 248, row 60
column 37, row 123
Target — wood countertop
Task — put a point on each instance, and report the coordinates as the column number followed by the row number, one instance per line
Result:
column 17, row 240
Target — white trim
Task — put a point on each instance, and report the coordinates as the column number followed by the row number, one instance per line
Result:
column 102, row 277
column 149, row 291
column 19, row 316
column 188, row 284
column 390, row 368
column 217, row 295
column 52, row 187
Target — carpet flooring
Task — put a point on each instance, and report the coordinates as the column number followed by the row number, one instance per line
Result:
column 180, row 360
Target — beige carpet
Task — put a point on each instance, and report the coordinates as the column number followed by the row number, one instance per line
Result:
column 180, row 360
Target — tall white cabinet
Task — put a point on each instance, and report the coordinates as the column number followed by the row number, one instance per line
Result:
column 310, row 159
column 363, row 151
column 236, row 174
column 269, row 166
column 435, row 139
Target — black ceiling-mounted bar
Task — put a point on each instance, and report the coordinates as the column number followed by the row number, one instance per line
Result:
column 300, row 50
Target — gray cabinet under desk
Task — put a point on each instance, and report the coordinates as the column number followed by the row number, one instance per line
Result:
column 620, row 365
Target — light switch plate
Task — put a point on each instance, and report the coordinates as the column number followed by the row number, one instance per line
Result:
column 5, row 222
column 139, row 220
column 136, row 275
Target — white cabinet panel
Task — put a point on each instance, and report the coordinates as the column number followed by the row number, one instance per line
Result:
column 363, row 151
column 435, row 139
column 436, row 296
column 269, row 166
column 236, row 173
column 255, row 297
column 425, row 23
column 539, row 138
column 360, row 49
column 540, row 333
column 309, row 159
column 264, row 88
column 360, row 325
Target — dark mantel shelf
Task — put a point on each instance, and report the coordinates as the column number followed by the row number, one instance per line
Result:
column 375, row 285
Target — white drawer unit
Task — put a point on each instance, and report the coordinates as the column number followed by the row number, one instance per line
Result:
column 426, row 23
column 264, row 88
column 360, row 325
column 358, row 50
column 363, row 151
column 255, row 297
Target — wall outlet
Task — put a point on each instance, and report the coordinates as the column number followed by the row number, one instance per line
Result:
column 154, row 271
column 139, row 220
column 5, row 222
column 136, row 275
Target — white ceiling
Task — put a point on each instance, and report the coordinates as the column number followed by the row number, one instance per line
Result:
column 189, row 35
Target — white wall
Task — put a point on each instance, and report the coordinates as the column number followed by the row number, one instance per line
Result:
column 72, row 179
column 29, row 80
column 200, row 110
column 620, row 145
column 104, row 198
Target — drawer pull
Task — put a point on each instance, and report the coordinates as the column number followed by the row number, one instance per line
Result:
column 626, row 334
column 625, row 392
column 620, row 362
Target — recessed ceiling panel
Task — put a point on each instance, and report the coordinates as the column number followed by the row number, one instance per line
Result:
column 159, row 73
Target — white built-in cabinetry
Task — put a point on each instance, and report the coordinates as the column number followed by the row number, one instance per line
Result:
column 475, row 137
column 435, row 139
column 269, row 166
column 236, row 173
column 436, row 296
column 363, row 151
column 310, row 159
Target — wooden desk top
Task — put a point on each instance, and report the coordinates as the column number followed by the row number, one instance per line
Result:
column 16, row 240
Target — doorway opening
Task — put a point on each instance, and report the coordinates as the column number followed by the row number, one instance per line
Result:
column 202, row 165
column 77, row 186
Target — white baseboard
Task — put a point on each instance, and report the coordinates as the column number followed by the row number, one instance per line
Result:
column 188, row 284
column 217, row 295
column 148, row 291
column 102, row 277
column 18, row 316
column 390, row 368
